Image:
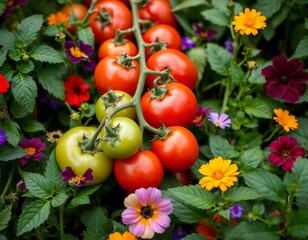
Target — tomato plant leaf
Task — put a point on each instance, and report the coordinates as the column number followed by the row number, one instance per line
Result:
column 33, row 126
column 268, row 8
column 38, row 185
column 237, row 194
column 59, row 199
column 257, row 108
column 9, row 152
column 194, row 236
column 302, row 48
column 298, row 223
column 33, row 215
column 188, row 4
column 7, row 39
column 221, row 147
column 301, row 134
column 237, row 73
column 198, row 56
column 86, row 35
column 300, row 173
column 5, row 216
column 219, row 58
column 216, row 16
column 250, row 159
column 44, row 53
column 25, row 67
column 11, row 129
column 3, row 53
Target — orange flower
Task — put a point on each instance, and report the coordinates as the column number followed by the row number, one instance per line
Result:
column 57, row 18
column 118, row 236
column 286, row 120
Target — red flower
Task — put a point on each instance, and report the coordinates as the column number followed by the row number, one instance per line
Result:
column 4, row 84
column 285, row 152
column 76, row 91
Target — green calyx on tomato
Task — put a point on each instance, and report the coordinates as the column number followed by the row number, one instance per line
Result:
column 119, row 37
column 156, row 46
column 126, row 61
column 104, row 17
column 111, row 133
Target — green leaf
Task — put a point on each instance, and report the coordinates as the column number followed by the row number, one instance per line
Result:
column 7, row 39
column 237, row 194
column 219, row 58
column 268, row 8
column 25, row 67
column 17, row 109
column 5, row 216
column 194, row 236
column 79, row 200
column 298, row 224
column 11, row 129
column 198, row 56
column 257, row 108
column 195, row 196
column 188, row 4
column 44, row 53
column 250, row 159
column 24, row 90
column 52, row 30
column 236, row 72
column 221, row 147
column 59, row 199
column 9, row 152
column 268, row 185
column 300, row 172
column 301, row 134
column 27, row 30
column 52, row 81
column 38, row 185
column 33, row 126
column 216, row 16
column 86, row 35
column 251, row 230
column 3, row 53
column 301, row 49
column 33, row 215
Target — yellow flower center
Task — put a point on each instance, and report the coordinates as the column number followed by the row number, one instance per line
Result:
column 249, row 22
column 217, row 175
column 285, row 154
column 77, row 179
column 76, row 52
column 217, row 123
column 30, row 150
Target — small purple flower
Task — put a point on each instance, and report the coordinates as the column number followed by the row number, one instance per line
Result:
column 178, row 234
column 208, row 35
column 71, row 178
column 200, row 114
column 33, row 148
column 47, row 100
column 21, row 186
column 221, row 121
column 3, row 137
column 80, row 53
column 11, row 4
column 236, row 211
column 187, row 43
column 229, row 45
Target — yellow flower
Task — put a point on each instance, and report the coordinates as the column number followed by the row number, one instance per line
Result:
column 285, row 120
column 57, row 18
column 125, row 236
column 249, row 22
column 218, row 173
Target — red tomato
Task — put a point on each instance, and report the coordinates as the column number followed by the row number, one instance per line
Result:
column 79, row 10
column 164, row 33
column 143, row 169
column 108, row 48
column 159, row 11
column 177, row 108
column 182, row 68
column 121, row 18
column 88, row 2
column 109, row 74
column 182, row 177
column 178, row 151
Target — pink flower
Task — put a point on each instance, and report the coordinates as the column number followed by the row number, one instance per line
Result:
column 221, row 121
column 33, row 148
column 200, row 114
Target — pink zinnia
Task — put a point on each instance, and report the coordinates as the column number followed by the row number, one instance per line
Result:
column 33, row 148
column 285, row 151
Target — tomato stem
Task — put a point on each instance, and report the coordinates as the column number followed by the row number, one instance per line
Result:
column 119, row 37
column 104, row 17
column 126, row 61
column 89, row 12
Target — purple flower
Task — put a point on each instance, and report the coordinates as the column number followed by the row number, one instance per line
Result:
column 146, row 212
column 208, row 35
column 11, row 4
column 3, row 137
column 229, row 45
column 221, row 121
column 236, row 211
column 71, row 178
column 81, row 54
column 47, row 100
column 285, row 79
column 200, row 114
column 21, row 186
column 33, row 148
column 187, row 43
column 178, row 234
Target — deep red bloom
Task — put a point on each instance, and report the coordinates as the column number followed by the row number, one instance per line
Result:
column 285, row 79
column 4, row 84
column 76, row 91
column 285, row 151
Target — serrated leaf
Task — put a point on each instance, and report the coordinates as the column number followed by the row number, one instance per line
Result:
column 300, row 172
column 44, row 53
column 25, row 67
column 221, row 147
column 219, row 58
column 257, row 108
column 52, row 30
column 11, row 129
column 38, row 185
column 301, row 134
column 183, row 5
column 250, row 159
column 7, row 39
column 195, row 196
column 237, row 73
column 33, row 126
column 9, row 152
column 194, row 236
column 240, row 194
column 298, row 223
column 27, row 30
column 33, row 215
column 5, row 216
column 86, row 35
column 94, row 221
column 24, row 90
column 198, row 56
column 80, row 200
column 3, row 53
column 59, row 199
column 216, row 16
column 268, row 8
column 17, row 109
column 268, row 185
column 301, row 48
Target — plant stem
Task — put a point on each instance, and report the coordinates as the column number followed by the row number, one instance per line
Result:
column 226, row 96
column 8, row 183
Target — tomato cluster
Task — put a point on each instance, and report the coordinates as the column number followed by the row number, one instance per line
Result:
column 165, row 105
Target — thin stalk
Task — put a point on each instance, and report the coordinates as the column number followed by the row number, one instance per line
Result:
column 8, row 183
column 226, row 96
column 89, row 12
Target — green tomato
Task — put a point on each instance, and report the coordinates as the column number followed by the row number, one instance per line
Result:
column 101, row 111
column 129, row 138
column 69, row 154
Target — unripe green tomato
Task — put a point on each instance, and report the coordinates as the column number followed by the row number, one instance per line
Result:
column 129, row 138
column 101, row 111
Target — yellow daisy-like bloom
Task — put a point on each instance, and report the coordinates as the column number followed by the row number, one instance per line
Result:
column 125, row 236
column 218, row 173
column 57, row 18
column 287, row 121
column 249, row 22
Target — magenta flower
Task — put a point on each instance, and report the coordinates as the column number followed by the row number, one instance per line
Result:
column 285, row 79
column 11, row 4
column 208, row 35
column 221, row 121
column 187, row 43
column 71, row 178
column 285, row 151
column 3, row 137
column 146, row 212
column 33, row 148
column 200, row 114
column 236, row 211
column 80, row 53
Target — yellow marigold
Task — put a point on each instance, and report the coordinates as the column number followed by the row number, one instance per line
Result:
column 57, row 18
column 286, row 120
column 249, row 22
column 218, row 173
column 125, row 236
